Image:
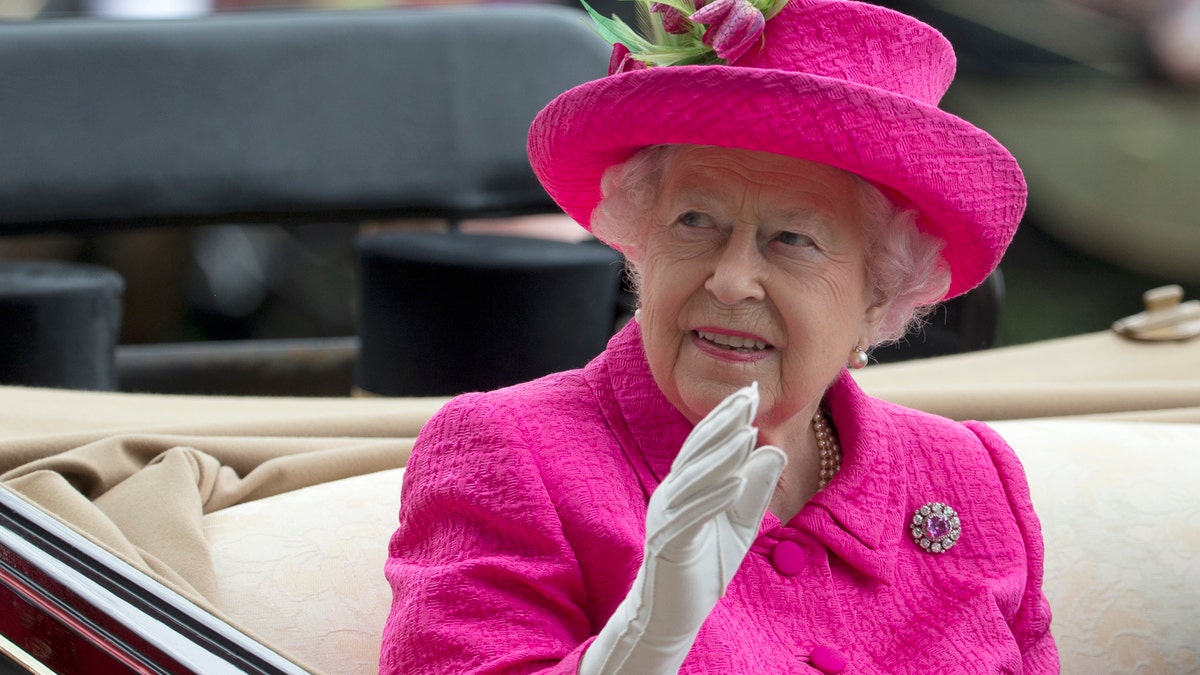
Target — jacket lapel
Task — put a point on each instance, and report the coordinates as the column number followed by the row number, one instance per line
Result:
column 648, row 428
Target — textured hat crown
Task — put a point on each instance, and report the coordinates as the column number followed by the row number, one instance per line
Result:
column 857, row 42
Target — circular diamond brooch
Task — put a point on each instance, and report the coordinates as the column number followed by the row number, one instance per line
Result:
column 935, row 527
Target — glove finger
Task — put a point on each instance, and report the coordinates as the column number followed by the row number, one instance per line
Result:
column 761, row 473
column 724, row 459
column 737, row 410
column 678, row 527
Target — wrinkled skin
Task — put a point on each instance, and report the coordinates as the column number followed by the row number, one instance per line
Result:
column 762, row 247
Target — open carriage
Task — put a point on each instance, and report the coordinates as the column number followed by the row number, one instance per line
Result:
column 180, row 532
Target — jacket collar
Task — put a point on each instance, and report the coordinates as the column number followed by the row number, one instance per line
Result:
column 855, row 516
column 650, row 429
column 859, row 515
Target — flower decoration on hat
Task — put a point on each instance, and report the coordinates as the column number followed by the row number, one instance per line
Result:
column 685, row 32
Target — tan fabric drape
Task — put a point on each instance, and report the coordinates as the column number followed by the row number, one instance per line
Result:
column 136, row 472
column 141, row 494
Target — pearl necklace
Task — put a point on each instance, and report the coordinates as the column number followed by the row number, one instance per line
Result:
column 827, row 444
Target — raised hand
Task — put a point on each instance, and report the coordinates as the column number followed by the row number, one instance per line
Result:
column 700, row 523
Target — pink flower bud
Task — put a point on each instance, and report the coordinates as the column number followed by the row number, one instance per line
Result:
column 673, row 20
column 622, row 60
column 733, row 26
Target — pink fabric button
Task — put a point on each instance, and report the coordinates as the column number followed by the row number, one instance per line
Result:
column 827, row 660
column 788, row 558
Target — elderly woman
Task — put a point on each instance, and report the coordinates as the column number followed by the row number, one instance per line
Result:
column 713, row 493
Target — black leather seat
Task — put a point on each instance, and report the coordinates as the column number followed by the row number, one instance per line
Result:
column 59, row 324
column 441, row 314
column 281, row 117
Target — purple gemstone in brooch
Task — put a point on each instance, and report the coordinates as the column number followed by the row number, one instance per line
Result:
column 935, row 527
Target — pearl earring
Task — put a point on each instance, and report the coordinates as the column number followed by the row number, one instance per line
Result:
column 858, row 358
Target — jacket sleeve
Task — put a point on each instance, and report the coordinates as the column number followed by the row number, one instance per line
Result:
column 1031, row 623
column 483, row 579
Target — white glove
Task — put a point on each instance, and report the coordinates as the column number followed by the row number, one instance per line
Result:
column 700, row 523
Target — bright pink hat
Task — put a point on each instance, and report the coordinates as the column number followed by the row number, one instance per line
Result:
column 844, row 83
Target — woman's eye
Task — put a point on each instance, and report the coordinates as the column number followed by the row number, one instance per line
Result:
column 794, row 239
column 694, row 219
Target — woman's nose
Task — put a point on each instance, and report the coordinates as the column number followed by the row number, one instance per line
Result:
column 737, row 274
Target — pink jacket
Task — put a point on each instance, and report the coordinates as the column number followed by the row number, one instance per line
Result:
column 522, row 525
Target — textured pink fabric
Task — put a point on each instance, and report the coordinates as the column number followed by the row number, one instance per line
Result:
column 844, row 83
column 522, row 522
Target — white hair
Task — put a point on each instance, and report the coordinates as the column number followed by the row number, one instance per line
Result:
column 904, row 265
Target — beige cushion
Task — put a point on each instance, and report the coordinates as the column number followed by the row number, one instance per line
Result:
column 303, row 571
column 1119, row 503
column 1120, row 510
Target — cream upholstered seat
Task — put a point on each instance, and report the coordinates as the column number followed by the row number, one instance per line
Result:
column 303, row 570
column 1121, row 522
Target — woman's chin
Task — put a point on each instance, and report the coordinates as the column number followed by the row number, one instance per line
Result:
column 698, row 398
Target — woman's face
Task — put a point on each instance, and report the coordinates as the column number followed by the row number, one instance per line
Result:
column 753, row 270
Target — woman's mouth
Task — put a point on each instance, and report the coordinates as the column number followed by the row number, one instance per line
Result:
column 733, row 343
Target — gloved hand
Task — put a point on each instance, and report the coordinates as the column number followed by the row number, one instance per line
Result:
column 700, row 523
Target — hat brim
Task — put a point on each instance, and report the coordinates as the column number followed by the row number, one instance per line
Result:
column 967, row 187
